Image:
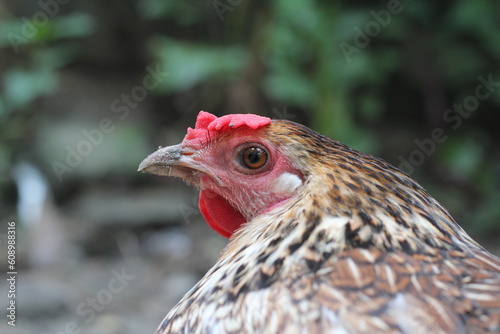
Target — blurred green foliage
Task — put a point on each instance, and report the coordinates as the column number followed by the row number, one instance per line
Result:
column 190, row 64
column 375, row 75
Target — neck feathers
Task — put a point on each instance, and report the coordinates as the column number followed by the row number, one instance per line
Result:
column 353, row 200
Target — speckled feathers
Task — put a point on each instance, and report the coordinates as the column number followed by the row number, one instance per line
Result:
column 359, row 248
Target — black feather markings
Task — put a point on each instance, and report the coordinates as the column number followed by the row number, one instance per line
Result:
column 314, row 265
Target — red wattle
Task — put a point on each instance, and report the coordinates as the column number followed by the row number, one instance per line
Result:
column 219, row 214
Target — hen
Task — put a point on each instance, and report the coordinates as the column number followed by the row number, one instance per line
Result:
column 323, row 239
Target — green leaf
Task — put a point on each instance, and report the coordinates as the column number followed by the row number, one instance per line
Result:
column 463, row 155
column 189, row 64
column 183, row 12
column 23, row 87
column 74, row 25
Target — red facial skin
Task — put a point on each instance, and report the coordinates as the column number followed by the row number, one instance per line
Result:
column 230, row 193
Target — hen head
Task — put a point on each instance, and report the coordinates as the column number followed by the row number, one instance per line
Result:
column 239, row 163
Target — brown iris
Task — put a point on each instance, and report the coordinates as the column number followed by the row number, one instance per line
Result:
column 254, row 157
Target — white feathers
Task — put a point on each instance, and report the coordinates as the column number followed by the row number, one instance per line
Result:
column 286, row 183
column 355, row 272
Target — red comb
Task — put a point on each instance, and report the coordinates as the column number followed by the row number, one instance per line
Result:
column 208, row 122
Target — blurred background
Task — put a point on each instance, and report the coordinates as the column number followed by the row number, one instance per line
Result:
column 90, row 88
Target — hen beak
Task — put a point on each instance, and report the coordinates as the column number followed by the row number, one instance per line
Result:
column 161, row 161
column 179, row 161
column 171, row 161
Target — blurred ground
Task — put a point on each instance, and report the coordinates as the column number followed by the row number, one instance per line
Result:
column 90, row 88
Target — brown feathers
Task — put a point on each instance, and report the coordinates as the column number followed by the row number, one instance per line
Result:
column 359, row 247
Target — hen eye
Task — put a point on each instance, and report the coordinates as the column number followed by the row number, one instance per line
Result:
column 254, row 157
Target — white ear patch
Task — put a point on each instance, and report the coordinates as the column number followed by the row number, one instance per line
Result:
column 287, row 183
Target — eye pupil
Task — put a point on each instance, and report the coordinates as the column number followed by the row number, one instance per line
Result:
column 254, row 157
